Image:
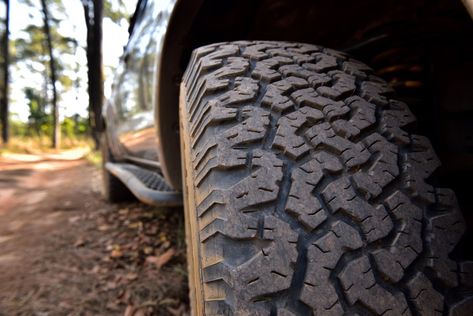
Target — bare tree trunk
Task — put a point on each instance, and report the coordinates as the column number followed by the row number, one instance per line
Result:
column 52, row 66
column 6, row 73
column 93, row 11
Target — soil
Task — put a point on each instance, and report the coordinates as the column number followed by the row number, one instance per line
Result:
column 65, row 251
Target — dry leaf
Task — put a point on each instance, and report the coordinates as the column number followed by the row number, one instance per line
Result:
column 112, row 306
column 79, row 243
column 148, row 250
column 73, row 219
column 116, row 253
column 103, row 227
column 124, row 296
column 168, row 301
column 123, row 211
column 111, row 285
column 95, row 269
column 129, row 311
column 140, row 312
column 162, row 259
column 176, row 311
column 132, row 276
column 135, row 225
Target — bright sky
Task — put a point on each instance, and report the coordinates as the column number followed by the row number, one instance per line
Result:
column 76, row 99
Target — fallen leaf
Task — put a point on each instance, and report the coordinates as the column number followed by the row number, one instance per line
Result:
column 140, row 312
column 123, row 211
column 132, row 276
column 124, row 296
column 73, row 219
column 135, row 225
column 112, row 306
column 148, row 250
column 79, row 242
column 65, row 305
column 163, row 237
column 111, row 285
column 129, row 311
column 168, row 301
column 176, row 311
column 162, row 259
column 116, row 253
column 103, row 227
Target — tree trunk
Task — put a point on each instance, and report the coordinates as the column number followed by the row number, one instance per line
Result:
column 6, row 73
column 52, row 67
column 93, row 11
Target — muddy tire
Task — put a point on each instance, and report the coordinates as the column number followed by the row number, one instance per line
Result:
column 306, row 192
column 113, row 190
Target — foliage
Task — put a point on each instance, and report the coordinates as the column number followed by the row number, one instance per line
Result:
column 41, row 144
column 74, row 126
column 115, row 10
column 43, row 50
column 30, row 61
column 34, row 136
column 38, row 120
column 94, row 157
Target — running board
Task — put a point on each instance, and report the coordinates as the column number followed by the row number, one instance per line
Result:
column 148, row 186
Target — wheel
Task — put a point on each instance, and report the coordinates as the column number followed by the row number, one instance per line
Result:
column 306, row 194
column 114, row 191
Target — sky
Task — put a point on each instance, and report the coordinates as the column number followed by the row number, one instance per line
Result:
column 76, row 99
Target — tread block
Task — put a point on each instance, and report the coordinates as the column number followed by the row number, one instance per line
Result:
column 449, row 223
column 407, row 243
column 382, row 171
column 359, row 284
column 323, row 135
column 286, row 135
column 362, row 117
column 274, row 262
column 462, row 308
column 344, row 87
column 323, row 255
column 374, row 221
column 324, row 63
column 356, row 68
column 419, row 166
column 423, row 295
column 394, row 119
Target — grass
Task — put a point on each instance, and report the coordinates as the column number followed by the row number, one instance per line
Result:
column 95, row 158
column 40, row 145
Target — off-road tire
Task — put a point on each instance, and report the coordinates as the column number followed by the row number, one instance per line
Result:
column 307, row 193
column 113, row 190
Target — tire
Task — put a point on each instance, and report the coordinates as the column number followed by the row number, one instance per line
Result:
column 306, row 194
column 114, row 191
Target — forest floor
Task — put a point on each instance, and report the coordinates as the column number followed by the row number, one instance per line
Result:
column 65, row 251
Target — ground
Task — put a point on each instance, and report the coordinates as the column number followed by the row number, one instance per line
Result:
column 65, row 251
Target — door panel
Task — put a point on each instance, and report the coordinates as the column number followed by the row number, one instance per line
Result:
column 135, row 87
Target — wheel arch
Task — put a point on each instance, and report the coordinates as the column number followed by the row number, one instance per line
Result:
column 200, row 22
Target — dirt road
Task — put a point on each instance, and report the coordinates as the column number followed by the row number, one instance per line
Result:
column 64, row 251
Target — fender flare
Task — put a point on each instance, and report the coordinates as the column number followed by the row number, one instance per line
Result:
column 169, row 73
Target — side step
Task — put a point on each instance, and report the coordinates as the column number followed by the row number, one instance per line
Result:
column 148, row 186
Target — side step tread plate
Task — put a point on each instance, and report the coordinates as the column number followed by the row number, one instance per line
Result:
column 148, row 186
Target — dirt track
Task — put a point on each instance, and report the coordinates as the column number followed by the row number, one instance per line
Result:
column 64, row 251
